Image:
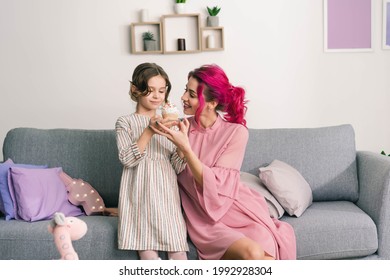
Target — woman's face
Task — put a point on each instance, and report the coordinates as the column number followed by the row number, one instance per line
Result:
column 190, row 97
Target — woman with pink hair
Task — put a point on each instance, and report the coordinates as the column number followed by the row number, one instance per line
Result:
column 224, row 217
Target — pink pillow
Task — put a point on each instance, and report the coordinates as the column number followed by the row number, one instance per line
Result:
column 39, row 193
column 288, row 186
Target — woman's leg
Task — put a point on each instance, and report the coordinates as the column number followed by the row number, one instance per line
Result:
column 177, row 255
column 246, row 249
column 148, row 255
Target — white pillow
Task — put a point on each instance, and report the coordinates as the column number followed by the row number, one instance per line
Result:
column 288, row 186
column 275, row 209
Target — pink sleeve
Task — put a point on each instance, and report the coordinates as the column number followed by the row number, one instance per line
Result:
column 221, row 182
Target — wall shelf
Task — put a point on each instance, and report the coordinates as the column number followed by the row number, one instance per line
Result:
column 173, row 27
column 137, row 29
column 218, row 38
column 186, row 26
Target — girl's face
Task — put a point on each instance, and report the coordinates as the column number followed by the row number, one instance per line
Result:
column 190, row 97
column 157, row 88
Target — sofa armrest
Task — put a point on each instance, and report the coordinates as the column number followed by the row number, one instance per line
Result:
column 374, row 197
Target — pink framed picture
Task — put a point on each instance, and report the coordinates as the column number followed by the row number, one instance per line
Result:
column 348, row 25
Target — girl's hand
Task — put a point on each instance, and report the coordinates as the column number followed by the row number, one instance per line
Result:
column 153, row 123
column 169, row 122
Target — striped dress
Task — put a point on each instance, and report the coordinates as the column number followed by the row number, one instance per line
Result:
column 150, row 214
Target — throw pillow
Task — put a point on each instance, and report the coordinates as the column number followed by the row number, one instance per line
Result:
column 3, row 179
column 38, row 194
column 288, row 186
column 7, row 204
column 275, row 209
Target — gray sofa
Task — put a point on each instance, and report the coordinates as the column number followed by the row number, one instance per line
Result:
column 349, row 218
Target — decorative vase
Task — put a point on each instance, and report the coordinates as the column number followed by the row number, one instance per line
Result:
column 212, row 21
column 150, row 45
column 144, row 15
column 180, row 8
column 181, row 44
column 210, row 42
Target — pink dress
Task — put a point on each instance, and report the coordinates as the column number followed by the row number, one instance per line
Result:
column 225, row 209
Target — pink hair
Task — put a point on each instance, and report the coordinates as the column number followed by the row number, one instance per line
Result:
column 215, row 85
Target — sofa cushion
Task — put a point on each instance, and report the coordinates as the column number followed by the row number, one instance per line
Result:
column 275, row 209
column 288, row 186
column 32, row 241
column 325, row 156
column 334, row 230
column 37, row 194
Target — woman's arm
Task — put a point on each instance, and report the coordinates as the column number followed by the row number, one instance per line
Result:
column 180, row 139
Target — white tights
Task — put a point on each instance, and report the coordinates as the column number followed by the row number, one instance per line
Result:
column 153, row 255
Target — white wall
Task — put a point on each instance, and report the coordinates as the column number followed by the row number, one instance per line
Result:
column 66, row 63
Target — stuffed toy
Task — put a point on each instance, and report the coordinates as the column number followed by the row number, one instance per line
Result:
column 65, row 230
column 81, row 193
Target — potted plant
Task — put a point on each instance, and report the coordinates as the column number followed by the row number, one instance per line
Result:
column 383, row 153
column 180, row 6
column 149, row 41
column 213, row 19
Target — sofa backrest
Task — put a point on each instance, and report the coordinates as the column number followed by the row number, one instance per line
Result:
column 90, row 155
column 325, row 156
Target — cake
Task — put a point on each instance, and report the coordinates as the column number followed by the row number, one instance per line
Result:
column 169, row 110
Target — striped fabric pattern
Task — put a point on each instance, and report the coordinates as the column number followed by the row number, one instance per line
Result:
column 150, row 214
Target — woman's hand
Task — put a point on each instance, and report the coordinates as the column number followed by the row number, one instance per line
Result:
column 178, row 137
column 169, row 122
column 156, row 120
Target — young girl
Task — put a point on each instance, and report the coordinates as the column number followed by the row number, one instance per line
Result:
column 150, row 216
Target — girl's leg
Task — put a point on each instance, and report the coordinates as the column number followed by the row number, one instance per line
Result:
column 246, row 249
column 148, row 255
column 177, row 255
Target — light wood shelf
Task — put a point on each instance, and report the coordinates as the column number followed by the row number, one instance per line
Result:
column 173, row 27
column 136, row 37
column 218, row 35
column 186, row 26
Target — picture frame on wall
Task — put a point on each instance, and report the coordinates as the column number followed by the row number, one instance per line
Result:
column 386, row 24
column 348, row 25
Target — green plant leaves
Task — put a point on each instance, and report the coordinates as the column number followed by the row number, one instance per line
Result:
column 383, row 153
column 213, row 11
column 148, row 36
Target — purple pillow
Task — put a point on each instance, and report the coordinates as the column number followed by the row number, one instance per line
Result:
column 6, row 205
column 8, row 161
column 38, row 194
